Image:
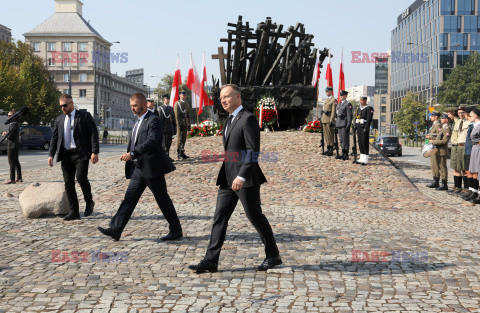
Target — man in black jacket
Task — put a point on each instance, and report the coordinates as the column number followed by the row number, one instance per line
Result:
column 13, row 145
column 75, row 142
column 167, row 115
column 146, row 166
column 240, row 177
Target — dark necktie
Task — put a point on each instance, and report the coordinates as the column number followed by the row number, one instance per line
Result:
column 227, row 124
column 461, row 125
column 134, row 135
column 68, row 132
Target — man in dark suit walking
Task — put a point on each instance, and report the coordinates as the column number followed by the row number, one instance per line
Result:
column 13, row 145
column 239, row 179
column 75, row 141
column 146, row 166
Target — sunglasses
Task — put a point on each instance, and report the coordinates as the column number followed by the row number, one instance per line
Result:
column 65, row 105
column 9, row 115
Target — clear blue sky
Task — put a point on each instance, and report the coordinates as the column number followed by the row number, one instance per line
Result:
column 153, row 32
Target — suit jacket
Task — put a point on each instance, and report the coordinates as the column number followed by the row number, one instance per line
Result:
column 182, row 119
column 13, row 139
column 329, row 109
column 443, row 137
column 149, row 155
column 344, row 114
column 85, row 135
column 167, row 115
column 155, row 111
column 242, row 147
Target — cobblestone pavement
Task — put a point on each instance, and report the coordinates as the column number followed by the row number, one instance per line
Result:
column 321, row 209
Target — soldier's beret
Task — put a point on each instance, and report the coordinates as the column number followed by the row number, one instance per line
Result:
column 166, row 96
column 182, row 93
column 343, row 93
column 328, row 89
column 444, row 115
column 436, row 113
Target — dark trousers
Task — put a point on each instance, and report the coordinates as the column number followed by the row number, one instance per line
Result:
column 73, row 165
column 226, row 201
column 363, row 141
column 135, row 189
column 344, row 136
column 14, row 164
column 167, row 142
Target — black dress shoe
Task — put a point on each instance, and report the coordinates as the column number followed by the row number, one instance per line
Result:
column 204, row 266
column 72, row 216
column 172, row 236
column 110, row 232
column 89, row 209
column 269, row 263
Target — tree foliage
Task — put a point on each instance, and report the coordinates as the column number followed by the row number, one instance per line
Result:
column 25, row 81
column 462, row 86
column 412, row 111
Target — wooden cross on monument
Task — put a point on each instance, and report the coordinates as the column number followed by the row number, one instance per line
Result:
column 221, row 57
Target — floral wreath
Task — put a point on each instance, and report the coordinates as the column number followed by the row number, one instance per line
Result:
column 266, row 111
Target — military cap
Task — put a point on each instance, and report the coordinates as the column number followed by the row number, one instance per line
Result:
column 343, row 93
column 150, row 100
column 436, row 113
column 363, row 98
column 329, row 88
column 166, row 96
column 444, row 115
column 182, row 93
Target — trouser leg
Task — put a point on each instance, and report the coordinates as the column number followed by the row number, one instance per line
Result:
column 69, row 169
column 442, row 165
column 434, row 165
column 82, row 178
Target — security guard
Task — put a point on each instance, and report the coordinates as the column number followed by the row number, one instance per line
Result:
column 363, row 120
column 182, row 118
column 167, row 115
column 441, row 142
column 434, row 130
column 328, row 120
column 343, row 122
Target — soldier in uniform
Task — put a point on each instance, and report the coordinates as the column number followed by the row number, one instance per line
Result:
column 441, row 142
column 434, row 130
column 170, row 126
column 343, row 122
column 328, row 121
column 182, row 118
column 363, row 120
column 151, row 106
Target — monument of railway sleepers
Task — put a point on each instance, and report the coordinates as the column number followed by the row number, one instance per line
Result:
column 270, row 61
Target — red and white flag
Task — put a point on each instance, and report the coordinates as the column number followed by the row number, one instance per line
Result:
column 328, row 74
column 177, row 81
column 204, row 99
column 316, row 71
column 341, row 79
column 193, row 83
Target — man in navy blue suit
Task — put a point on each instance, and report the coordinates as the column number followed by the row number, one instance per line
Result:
column 146, row 166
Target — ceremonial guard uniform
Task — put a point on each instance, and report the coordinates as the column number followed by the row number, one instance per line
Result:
column 441, row 142
column 167, row 115
column 434, row 130
column 343, row 122
column 183, row 122
column 328, row 122
column 363, row 120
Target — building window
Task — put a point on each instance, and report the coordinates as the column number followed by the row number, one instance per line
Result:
column 67, row 46
column 83, row 78
column 82, row 46
column 83, row 93
column 470, row 24
column 36, row 46
column 475, row 42
column 466, row 7
column 50, row 62
column 66, row 77
column 443, row 41
column 462, row 57
column 448, row 7
column 446, row 59
column 82, row 62
column 66, row 62
column 383, row 101
column 383, row 119
column 453, row 24
column 66, row 91
column 51, row 46
column 459, row 42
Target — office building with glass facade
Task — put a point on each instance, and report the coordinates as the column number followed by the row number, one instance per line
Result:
column 431, row 38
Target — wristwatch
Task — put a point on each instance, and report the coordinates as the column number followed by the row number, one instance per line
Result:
column 132, row 154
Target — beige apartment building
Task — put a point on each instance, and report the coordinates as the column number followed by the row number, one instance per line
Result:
column 5, row 33
column 75, row 53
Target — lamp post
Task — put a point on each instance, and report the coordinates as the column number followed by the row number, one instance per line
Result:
column 158, row 91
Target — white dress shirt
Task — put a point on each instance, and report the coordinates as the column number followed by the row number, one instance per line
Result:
column 140, row 120
column 71, row 121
